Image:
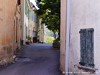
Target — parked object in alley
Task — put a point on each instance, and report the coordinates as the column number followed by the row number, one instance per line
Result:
column 56, row 45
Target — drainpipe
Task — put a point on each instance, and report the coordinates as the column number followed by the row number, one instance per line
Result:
column 68, row 25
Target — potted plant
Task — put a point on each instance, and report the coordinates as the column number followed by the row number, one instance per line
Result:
column 56, row 43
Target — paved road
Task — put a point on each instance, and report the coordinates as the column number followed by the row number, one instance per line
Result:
column 37, row 59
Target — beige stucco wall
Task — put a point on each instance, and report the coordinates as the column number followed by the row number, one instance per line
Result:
column 17, row 26
column 41, row 31
column 31, row 26
column 33, row 23
column 84, row 14
column 63, row 35
column 7, row 42
column 32, row 29
column 25, row 25
column 24, row 20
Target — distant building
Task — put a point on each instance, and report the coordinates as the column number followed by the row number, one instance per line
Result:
column 29, row 21
column 24, row 20
column 33, row 21
column 80, row 26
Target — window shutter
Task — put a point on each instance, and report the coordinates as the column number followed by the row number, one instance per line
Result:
column 87, row 47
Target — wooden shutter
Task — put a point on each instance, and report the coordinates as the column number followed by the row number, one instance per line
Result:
column 87, row 47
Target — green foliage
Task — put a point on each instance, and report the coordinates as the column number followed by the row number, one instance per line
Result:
column 57, row 40
column 49, row 39
column 28, row 38
column 49, row 11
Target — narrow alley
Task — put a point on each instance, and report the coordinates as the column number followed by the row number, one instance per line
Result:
column 36, row 59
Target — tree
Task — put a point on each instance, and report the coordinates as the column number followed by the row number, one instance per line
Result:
column 49, row 11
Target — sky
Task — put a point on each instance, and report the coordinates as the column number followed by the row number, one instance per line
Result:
column 33, row 1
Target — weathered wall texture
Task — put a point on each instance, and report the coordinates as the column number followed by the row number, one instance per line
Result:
column 33, row 23
column 63, row 35
column 22, row 22
column 7, row 41
column 41, row 31
column 32, row 28
column 84, row 14
column 17, row 26
column 25, row 24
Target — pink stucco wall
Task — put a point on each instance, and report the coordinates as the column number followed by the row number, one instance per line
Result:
column 7, row 41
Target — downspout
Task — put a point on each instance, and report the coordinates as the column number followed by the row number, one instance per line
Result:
column 68, row 25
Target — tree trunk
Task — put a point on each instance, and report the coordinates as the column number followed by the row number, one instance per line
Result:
column 54, row 34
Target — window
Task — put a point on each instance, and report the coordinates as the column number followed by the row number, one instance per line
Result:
column 87, row 47
column 18, row 2
column 16, row 30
